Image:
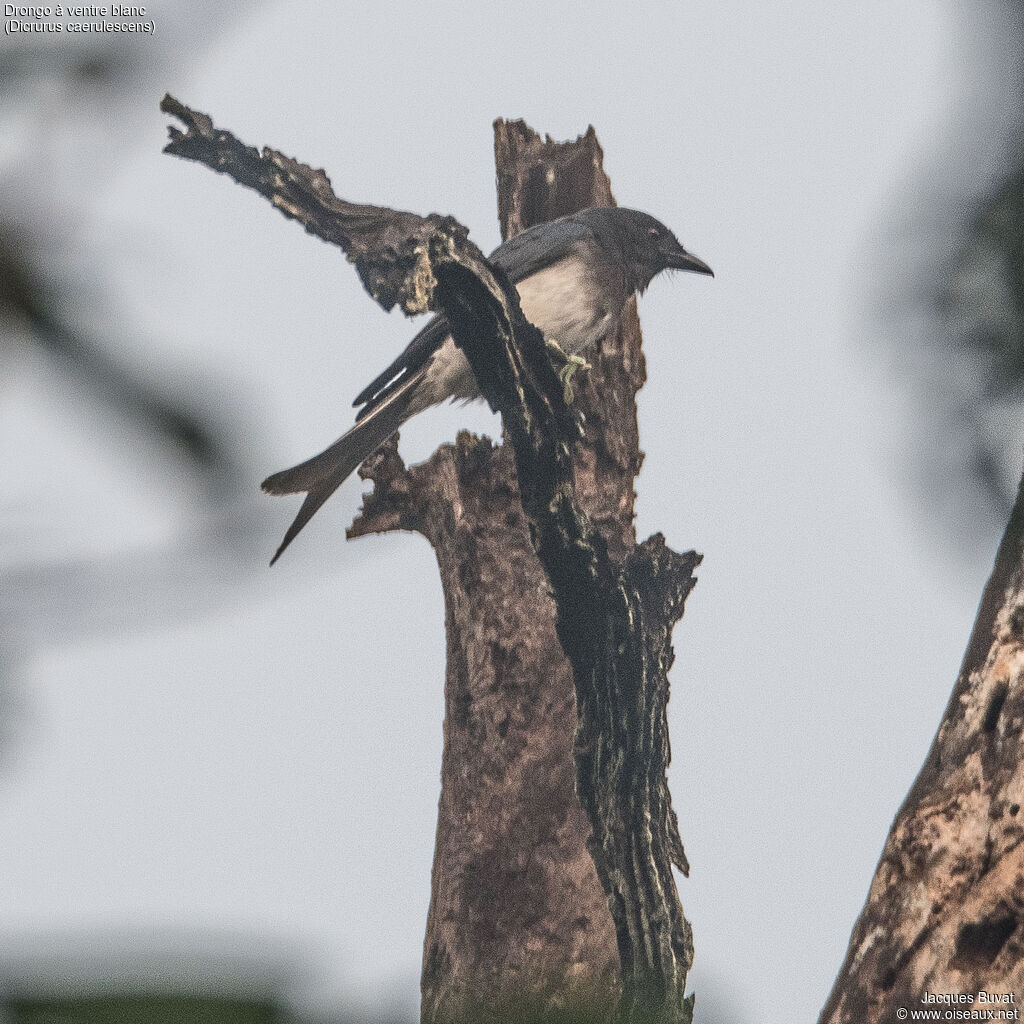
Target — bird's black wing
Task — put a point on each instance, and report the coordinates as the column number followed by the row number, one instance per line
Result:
column 415, row 354
column 540, row 246
column 520, row 257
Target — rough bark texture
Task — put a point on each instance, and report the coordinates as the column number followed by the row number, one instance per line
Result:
column 944, row 913
column 390, row 248
column 517, row 909
column 518, row 916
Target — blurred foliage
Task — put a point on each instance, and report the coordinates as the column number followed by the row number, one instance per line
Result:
column 978, row 301
column 35, row 303
column 142, row 1010
column 983, row 299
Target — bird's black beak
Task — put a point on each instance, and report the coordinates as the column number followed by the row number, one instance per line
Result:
column 683, row 260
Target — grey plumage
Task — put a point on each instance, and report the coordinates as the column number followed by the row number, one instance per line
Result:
column 574, row 276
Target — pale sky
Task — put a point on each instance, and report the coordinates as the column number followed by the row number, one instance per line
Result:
column 212, row 756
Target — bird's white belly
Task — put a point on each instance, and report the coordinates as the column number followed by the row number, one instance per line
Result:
column 568, row 304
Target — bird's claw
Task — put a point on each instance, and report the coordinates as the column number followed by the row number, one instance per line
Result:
column 565, row 375
column 570, row 364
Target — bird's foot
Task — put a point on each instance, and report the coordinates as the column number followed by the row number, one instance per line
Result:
column 570, row 364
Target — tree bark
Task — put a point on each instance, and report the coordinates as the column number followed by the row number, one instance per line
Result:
column 516, row 914
column 942, row 922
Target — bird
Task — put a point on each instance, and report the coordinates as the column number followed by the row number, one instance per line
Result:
column 574, row 276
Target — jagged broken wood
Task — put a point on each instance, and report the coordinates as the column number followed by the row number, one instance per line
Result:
column 615, row 614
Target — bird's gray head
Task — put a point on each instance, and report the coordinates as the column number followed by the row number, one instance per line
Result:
column 644, row 244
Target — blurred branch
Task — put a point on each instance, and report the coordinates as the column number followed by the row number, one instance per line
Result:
column 25, row 299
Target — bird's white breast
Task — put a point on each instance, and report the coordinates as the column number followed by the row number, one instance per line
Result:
column 567, row 302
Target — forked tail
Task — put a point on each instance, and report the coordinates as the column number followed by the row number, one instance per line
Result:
column 323, row 474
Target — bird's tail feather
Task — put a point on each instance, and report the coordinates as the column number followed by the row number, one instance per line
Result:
column 323, row 474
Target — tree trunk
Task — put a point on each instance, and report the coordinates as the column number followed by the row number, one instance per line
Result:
column 518, row 914
column 516, row 919
column 942, row 922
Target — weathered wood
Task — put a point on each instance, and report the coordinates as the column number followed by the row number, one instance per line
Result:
column 616, row 605
column 388, row 247
column 944, row 913
column 517, row 910
column 635, row 595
